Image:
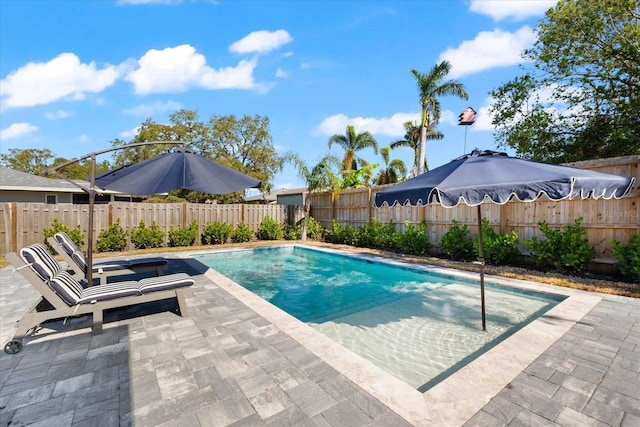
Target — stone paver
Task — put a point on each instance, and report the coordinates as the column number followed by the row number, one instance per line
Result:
column 226, row 365
column 222, row 365
column 589, row 377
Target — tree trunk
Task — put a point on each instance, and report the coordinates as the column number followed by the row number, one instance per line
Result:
column 307, row 210
column 423, row 149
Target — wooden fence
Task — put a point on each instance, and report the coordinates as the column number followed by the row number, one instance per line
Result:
column 604, row 220
column 22, row 224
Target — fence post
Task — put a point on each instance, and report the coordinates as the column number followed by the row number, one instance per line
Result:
column 184, row 215
column 333, row 206
column 370, row 207
column 14, row 226
column 503, row 219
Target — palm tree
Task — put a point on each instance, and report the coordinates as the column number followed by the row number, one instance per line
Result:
column 431, row 87
column 352, row 142
column 317, row 178
column 412, row 140
column 394, row 170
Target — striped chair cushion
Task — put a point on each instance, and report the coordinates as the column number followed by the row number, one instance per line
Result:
column 40, row 261
column 80, row 260
column 68, row 288
column 161, row 283
column 109, row 291
column 67, row 244
column 71, row 249
column 72, row 292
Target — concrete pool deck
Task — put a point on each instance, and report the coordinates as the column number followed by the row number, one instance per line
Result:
column 237, row 360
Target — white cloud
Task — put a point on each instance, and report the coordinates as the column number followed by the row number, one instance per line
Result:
column 448, row 117
column 64, row 77
column 483, row 118
column 59, row 114
column 179, row 68
column 490, row 49
column 261, row 41
column 83, row 138
column 390, row 126
column 17, row 130
column 280, row 73
column 514, row 9
column 130, row 133
column 148, row 110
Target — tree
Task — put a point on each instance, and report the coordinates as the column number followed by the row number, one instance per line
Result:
column 580, row 100
column 412, row 140
column 393, row 171
column 352, row 142
column 80, row 170
column 431, row 86
column 184, row 128
column 358, row 178
column 244, row 145
column 32, row 160
column 317, row 178
column 39, row 161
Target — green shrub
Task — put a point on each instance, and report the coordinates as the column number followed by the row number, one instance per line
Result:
column 314, row 228
column 75, row 234
column 145, row 237
column 498, row 248
column 628, row 258
column 342, row 235
column 334, row 235
column 112, row 239
column 376, row 235
column 183, row 236
column 291, row 232
column 456, row 242
column 567, row 250
column 269, row 229
column 413, row 240
column 242, row 234
column 216, row 233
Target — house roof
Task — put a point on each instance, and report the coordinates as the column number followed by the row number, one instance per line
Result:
column 272, row 196
column 11, row 179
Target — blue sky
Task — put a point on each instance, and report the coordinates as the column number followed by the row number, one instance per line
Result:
column 78, row 74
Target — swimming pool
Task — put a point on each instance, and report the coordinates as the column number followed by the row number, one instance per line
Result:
column 416, row 325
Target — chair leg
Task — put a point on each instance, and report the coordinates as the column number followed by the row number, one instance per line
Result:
column 182, row 302
column 97, row 320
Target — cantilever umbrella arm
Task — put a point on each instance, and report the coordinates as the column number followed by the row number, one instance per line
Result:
column 92, row 192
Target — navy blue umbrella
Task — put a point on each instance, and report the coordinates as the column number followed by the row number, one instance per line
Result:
column 496, row 177
column 179, row 169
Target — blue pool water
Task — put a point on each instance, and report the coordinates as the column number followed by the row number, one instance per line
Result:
column 417, row 325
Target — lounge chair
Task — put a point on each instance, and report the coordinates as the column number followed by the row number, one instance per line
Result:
column 64, row 296
column 62, row 243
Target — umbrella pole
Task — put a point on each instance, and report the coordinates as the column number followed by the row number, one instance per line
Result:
column 92, row 198
column 481, row 262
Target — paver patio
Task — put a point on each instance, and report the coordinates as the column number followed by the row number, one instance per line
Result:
column 226, row 364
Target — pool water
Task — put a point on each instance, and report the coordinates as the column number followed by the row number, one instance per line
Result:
column 419, row 326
